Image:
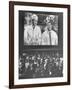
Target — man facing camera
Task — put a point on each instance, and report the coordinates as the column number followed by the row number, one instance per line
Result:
column 32, row 33
column 49, row 36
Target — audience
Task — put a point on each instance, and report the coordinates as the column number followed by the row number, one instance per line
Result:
column 38, row 66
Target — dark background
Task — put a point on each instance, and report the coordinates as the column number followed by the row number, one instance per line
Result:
column 23, row 47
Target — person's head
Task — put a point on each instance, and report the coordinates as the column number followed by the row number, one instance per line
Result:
column 28, row 18
column 52, row 17
column 49, row 26
column 47, row 20
column 57, row 55
column 34, row 19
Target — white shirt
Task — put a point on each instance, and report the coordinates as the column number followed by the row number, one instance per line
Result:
column 46, row 38
column 32, row 36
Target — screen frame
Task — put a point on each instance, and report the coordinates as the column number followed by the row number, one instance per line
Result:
column 11, row 44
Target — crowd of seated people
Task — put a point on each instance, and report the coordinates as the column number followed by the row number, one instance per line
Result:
column 40, row 66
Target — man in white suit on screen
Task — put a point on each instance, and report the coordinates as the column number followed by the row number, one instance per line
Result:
column 32, row 33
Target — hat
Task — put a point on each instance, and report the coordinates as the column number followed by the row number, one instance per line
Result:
column 35, row 17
